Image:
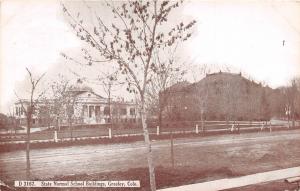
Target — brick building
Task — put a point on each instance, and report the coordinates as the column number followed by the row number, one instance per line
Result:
column 220, row 96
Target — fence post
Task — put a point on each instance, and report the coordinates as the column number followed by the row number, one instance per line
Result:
column 109, row 133
column 55, row 136
column 197, row 129
column 157, row 130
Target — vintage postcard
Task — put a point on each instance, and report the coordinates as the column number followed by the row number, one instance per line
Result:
column 169, row 95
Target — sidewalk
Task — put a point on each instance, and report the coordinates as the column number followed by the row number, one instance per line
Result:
column 239, row 181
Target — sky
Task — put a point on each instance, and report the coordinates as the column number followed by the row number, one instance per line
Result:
column 259, row 38
column 249, row 36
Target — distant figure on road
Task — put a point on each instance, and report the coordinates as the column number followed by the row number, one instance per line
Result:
column 232, row 127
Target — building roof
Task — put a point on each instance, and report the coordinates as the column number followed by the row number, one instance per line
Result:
column 179, row 86
column 227, row 76
column 210, row 78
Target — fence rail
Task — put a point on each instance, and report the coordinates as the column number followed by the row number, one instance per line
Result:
column 177, row 128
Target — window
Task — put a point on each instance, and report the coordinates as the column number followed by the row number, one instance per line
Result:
column 123, row 111
column 91, row 111
column 84, row 110
column 114, row 111
column 97, row 110
column 106, row 110
column 132, row 111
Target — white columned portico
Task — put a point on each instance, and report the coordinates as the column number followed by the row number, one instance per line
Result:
column 94, row 111
column 88, row 111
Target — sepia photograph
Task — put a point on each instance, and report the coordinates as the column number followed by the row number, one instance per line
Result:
column 150, row 95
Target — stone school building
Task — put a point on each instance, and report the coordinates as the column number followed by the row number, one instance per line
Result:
column 220, row 96
column 87, row 108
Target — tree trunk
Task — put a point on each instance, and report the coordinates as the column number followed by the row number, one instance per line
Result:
column 202, row 122
column 172, row 149
column 288, row 120
column 109, row 106
column 56, row 124
column 160, row 117
column 149, row 149
column 28, row 148
column 293, row 118
column 15, row 124
column 160, row 110
column 71, row 129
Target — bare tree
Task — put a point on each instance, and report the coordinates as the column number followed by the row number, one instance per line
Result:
column 198, row 72
column 44, row 113
column 169, row 72
column 70, row 107
column 8, row 122
column 59, row 90
column 136, row 30
column 109, row 84
column 290, row 93
column 29, row 107
column 202, row 94
column 297, row 101
column 230, row 99
column 64, row 103
column 252, row 93
column 265, row 106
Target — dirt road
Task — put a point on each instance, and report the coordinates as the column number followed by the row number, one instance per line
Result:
column 244, row 153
